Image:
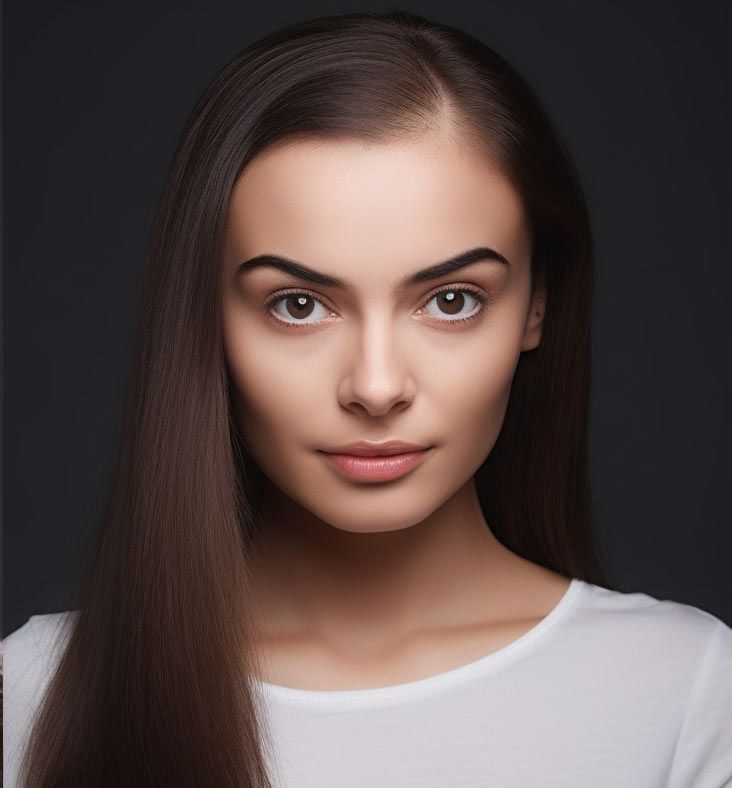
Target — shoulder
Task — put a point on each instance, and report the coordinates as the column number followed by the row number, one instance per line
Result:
column 642, row 621
column 673, row 651
column 30, row 650
column 660, row 645
column 30, row 656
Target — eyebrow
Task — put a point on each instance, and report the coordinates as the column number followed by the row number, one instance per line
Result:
column 479, row 254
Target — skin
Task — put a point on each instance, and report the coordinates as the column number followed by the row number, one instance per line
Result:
column 363, row 585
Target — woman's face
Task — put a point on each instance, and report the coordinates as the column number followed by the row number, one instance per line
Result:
column 315, row 366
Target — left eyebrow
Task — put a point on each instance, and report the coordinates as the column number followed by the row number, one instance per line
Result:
column 300, row 271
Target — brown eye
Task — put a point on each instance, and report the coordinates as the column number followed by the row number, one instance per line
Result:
column 452, row 301
column 299, row 305
column 293, row 308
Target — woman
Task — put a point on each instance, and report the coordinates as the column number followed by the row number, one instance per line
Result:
column 372, row 243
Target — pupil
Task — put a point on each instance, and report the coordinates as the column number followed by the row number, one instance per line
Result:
column 301, row 308
column 453, row 302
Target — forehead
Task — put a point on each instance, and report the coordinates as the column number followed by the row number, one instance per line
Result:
column 349, row 203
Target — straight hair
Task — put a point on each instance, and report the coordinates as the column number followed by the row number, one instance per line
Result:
column 155, row 683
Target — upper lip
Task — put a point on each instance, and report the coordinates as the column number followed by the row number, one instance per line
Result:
column 369, row 449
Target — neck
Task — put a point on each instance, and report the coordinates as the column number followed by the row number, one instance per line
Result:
column 364, row 590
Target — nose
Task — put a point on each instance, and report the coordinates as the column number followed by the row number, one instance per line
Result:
column 377, row 379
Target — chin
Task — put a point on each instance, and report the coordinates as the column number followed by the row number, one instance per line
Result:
column 369, row 519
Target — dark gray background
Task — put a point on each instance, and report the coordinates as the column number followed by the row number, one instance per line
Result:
column 95, row 98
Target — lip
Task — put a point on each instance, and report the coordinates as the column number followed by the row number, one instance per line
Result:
column 375, row 468
column 371, row 449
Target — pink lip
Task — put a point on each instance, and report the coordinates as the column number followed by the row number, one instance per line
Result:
column 375, row 469
column 373, row 449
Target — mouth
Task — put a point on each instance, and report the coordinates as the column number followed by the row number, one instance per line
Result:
column 375, row 468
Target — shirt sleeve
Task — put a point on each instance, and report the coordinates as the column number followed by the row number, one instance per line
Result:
column 703, row 756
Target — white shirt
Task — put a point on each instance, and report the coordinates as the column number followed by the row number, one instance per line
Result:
column 610, row 690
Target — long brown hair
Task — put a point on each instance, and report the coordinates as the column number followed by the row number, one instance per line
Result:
column 155, row 684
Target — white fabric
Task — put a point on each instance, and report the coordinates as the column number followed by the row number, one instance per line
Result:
column 610, row 690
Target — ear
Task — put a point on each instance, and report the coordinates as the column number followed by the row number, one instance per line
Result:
column 535, row 316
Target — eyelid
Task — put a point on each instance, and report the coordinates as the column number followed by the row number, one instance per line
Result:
column 481, row 295
column 278, row 294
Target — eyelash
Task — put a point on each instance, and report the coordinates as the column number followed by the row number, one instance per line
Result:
column 480, row 296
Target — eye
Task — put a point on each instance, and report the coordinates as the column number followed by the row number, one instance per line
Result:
column 296, row 304
column 450, row 301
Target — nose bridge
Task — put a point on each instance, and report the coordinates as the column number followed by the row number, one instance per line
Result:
column 376, row 343
column 377, row 363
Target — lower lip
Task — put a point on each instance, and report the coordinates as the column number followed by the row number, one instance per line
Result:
column 375, row 469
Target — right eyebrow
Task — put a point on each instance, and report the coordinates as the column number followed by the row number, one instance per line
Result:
column 300, row 271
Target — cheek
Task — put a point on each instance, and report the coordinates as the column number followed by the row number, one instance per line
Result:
column 472, row 391
column 273, row 391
